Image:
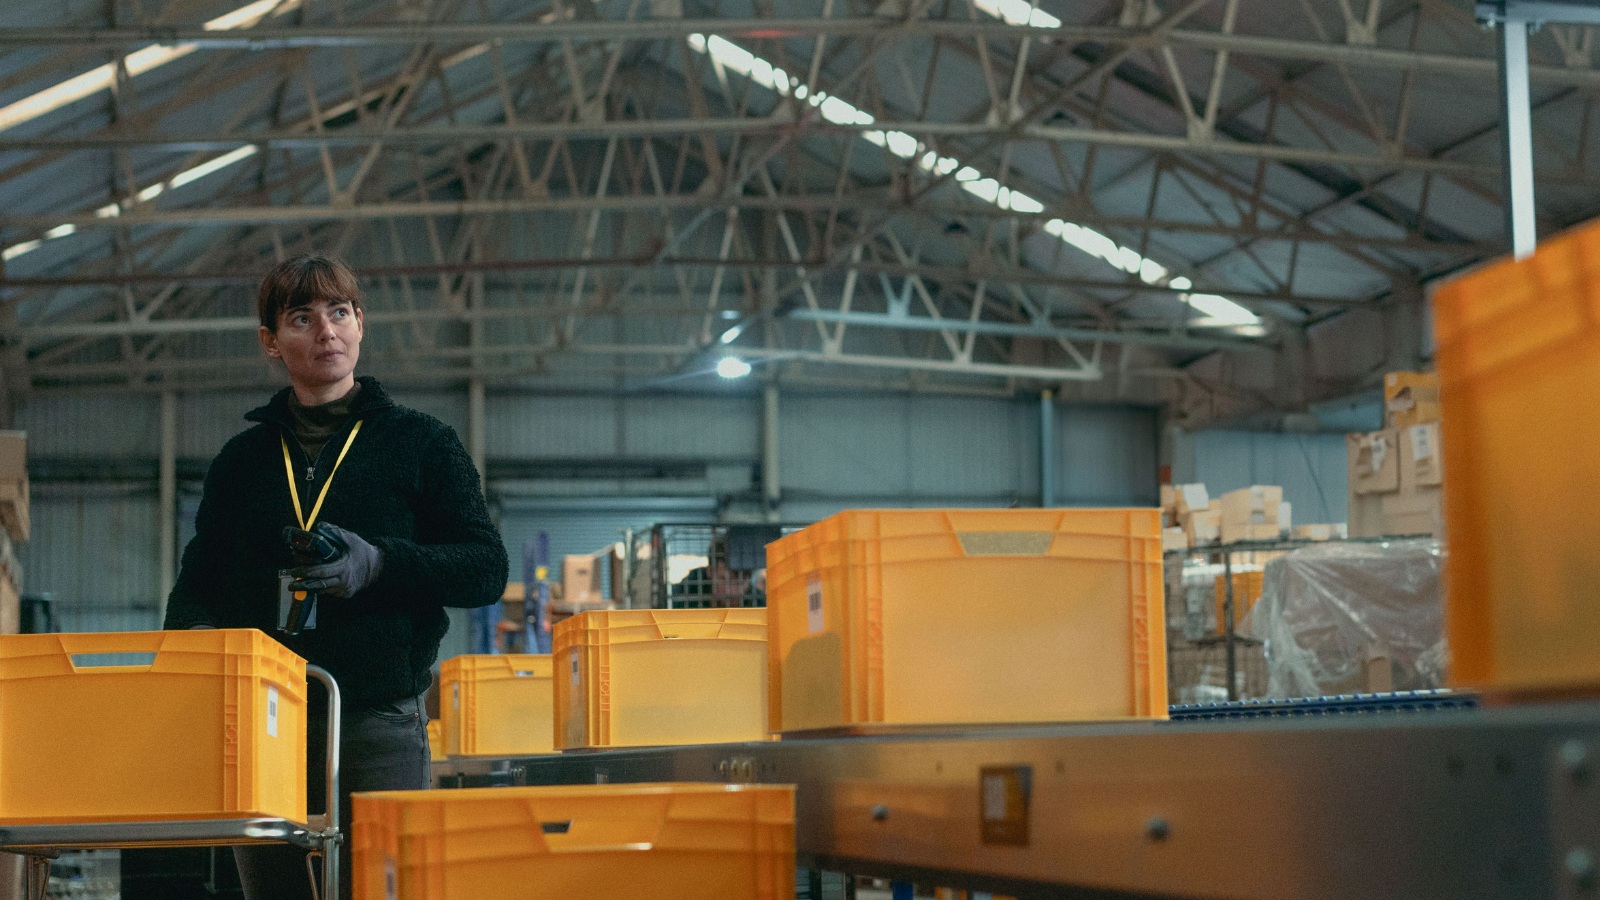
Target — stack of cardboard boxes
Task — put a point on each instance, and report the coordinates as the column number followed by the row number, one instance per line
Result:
column 1189, row 517
column 1320, row 532
column 1255, row 513
column 14, row 518
column 1395, row 474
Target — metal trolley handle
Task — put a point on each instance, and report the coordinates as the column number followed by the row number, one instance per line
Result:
column 329, row 824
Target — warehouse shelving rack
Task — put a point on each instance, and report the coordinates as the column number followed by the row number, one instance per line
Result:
column 319, row 834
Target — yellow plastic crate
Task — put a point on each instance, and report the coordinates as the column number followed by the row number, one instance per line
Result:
column 1247, row 587
column 644, row 677
column 906, row 617
column 576, row 842
column 496, row 705
column 213, row 727
column 435, row 741
column 1519, row 361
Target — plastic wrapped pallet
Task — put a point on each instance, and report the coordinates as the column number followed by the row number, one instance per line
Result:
column 1345, row 618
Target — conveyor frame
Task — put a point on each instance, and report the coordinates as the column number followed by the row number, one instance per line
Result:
column 1450, row 803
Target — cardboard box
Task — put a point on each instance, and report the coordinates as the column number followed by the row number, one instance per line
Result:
column 10, row 607
column 1255, row 505
column 1410, row 398
column 1420, row 464
column 1319, row 532
column 14, row 454
column 1413, row 512
column 1190, row 498
column 14, row 508
column 1233, row 532
column 1422, row 413
column 1203, row 528
column 580, row 579
column 1374, row 461
column 1174, row 539
column 1366, row 515
column 1285, row 518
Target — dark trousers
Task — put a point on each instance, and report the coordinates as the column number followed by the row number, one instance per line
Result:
column 383, row 748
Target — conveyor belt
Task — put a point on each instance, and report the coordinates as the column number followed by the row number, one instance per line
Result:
column 1338, row 705
column 1454, row 802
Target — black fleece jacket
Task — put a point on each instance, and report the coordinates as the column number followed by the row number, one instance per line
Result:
column 407, row 486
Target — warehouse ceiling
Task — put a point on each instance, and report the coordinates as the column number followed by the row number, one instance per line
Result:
column 1226, row 206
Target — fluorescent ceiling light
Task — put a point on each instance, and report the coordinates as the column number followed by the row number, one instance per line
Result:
column 112, row 210
column 1219, row 311
column 732, row 367
column 247, row 15
column 1018, row 12
column 101, row 78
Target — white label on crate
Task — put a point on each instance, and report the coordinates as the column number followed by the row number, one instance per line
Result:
column 575, row 668
column 995, row 805
column 391, row 879
column 455, row 695
column 814, row 619
column 272, row 712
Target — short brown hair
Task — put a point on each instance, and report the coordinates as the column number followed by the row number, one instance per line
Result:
column 300, row 280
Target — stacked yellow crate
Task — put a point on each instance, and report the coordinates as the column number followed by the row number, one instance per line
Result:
column 1057, row 615
column 1247, row 586
column 1518, row 351
column 195, row 725
column 630, row 678
column 496, row 705
column 680, row 841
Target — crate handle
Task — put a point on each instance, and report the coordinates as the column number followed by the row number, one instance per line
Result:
column 690, row 631
column 1005, row 543
column 523, row 673
column 85, row 646
column 561, row 827
column 112, row 659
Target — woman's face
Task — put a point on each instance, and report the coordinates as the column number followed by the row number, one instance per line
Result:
column 319, row 344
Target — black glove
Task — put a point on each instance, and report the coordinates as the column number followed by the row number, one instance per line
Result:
column 355, row 565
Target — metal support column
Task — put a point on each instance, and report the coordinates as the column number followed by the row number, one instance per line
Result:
column 1518, row 136
column 1047, row 448
column 475, row 428
column 167, row 504
column 771, row 487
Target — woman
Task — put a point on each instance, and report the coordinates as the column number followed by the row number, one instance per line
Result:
column 398, row 500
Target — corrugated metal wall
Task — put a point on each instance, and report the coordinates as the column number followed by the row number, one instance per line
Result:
column 94, row 550
column 95, row 546
column 1107, row 456
column 918, row 450
column 1310, row 467
column 531, row 427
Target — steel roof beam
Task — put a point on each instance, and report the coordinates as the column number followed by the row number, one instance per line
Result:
column 314, row 36
column 780, row 124
column 385, row 318
column 314, row 212
column 975, row 272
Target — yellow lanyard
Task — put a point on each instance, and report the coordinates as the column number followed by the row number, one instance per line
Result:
column 294, row 492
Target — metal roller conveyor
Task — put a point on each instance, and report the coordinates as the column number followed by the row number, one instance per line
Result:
column 1438, row 801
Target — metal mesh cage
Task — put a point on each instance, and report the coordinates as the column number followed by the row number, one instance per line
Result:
column 702, row 566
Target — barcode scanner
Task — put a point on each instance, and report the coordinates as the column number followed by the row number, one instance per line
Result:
column 309, row 548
